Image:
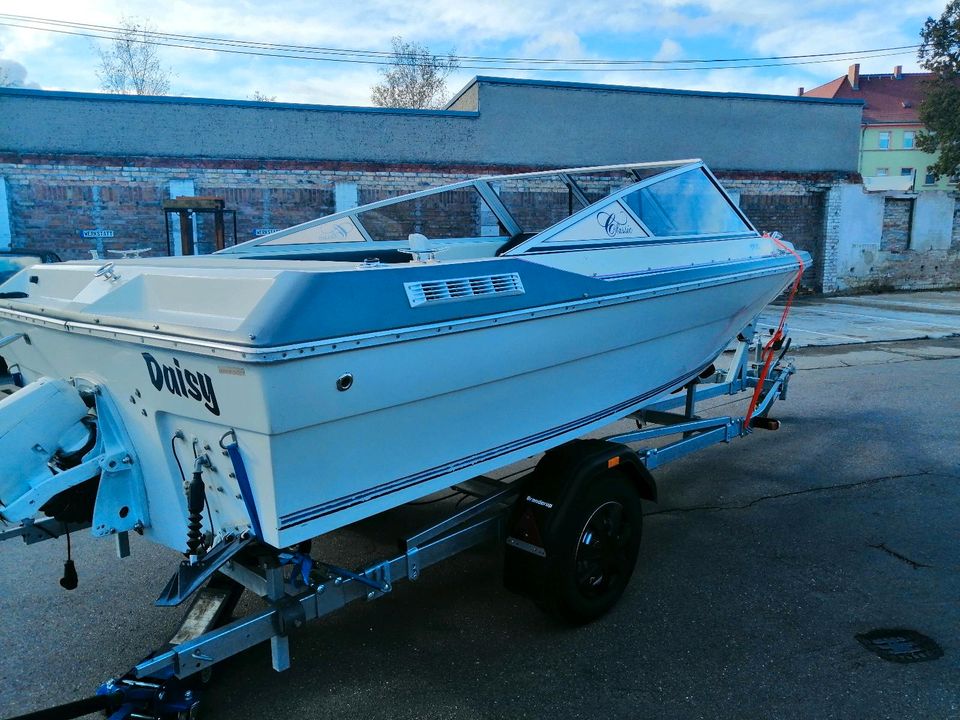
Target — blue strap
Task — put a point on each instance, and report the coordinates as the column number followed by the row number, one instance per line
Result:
column 233, row 450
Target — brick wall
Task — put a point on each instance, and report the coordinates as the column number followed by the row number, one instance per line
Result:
column 831, row 239
column 897, row 215
column 931, row 270
column 799, row 216
column 52, row 203
column 445, row 215
column 54, row 198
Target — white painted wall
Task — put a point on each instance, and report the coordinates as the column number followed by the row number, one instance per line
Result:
column 345, row 196
column 181, row 188
column 932, row 226
column 859, row 228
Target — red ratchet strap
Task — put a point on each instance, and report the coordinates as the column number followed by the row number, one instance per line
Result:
column 768, row 349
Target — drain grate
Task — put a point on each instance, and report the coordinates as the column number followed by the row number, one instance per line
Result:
column 900, row 645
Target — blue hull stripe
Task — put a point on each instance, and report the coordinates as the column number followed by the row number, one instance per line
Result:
column 317, row 511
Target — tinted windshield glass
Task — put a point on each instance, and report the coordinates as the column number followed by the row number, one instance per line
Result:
column 451, row 214
column 11, row 264
column 537, row 203
column 686, row 204
column 597, row 186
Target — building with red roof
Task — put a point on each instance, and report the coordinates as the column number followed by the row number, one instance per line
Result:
column 891, row 121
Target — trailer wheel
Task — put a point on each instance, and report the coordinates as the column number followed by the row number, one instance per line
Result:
column 594, row 548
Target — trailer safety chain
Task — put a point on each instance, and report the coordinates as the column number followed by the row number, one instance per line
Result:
column 773, row 343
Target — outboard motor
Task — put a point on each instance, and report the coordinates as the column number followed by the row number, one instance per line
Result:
column 45, row 429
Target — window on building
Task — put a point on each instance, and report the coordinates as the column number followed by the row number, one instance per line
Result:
column 883, row 172
column 883, row 141
column 929, row 179
column 908, row 139
column 906, row 172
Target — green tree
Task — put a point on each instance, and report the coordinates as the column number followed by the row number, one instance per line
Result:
column 416, row 78
column 940, row 110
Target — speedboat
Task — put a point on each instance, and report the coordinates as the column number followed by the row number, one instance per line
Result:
column 318, row 375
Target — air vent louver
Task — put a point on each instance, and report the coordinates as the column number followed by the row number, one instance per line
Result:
column 468, row 288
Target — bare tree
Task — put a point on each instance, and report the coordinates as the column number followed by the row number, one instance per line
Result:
column 416, row 77
column 261, row 97
column 130, row 64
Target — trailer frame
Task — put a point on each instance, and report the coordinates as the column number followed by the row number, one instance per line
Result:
column 298, row 588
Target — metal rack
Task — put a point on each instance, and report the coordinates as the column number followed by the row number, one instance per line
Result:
column 186, row 209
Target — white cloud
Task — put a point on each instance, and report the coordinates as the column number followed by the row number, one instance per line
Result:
column 669, row 50
column 13, row 74
column 603, row 29
column 550, row 44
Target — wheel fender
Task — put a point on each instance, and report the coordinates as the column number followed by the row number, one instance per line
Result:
column 545, row 498
column 562, row 470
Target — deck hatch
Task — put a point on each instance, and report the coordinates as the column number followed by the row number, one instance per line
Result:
column 430, row 292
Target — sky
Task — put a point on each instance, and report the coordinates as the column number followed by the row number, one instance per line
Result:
column 591, row 30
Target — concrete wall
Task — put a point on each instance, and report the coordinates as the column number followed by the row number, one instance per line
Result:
column 916, row 247
column 577, row 124
column 497, row 122
column 932, row 221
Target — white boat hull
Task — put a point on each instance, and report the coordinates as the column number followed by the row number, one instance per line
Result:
column 421, row 414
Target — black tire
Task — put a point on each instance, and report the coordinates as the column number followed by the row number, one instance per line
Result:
column 593, row 549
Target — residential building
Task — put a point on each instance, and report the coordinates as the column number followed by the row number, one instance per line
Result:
column 891, row 122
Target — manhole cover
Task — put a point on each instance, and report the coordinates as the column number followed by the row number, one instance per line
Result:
column 900, row 645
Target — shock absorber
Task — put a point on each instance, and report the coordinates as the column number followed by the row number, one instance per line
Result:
column 196, row 499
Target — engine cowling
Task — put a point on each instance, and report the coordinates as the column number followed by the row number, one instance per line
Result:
column 45, row 421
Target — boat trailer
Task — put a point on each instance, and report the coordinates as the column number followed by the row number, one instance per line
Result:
column 570, row 528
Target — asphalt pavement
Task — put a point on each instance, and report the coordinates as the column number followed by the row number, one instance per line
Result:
column 760, row 564
column 871, row 318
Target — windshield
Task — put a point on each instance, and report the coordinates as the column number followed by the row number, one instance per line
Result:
column 460, row 213
column 685, row 204
column 12, row 264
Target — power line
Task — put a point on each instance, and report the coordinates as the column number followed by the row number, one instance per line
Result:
column 389, row 54
column 475, row 62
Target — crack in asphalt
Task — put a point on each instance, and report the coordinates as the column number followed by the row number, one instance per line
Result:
column 903, row 558
column 901, row 357
column 822, row 488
